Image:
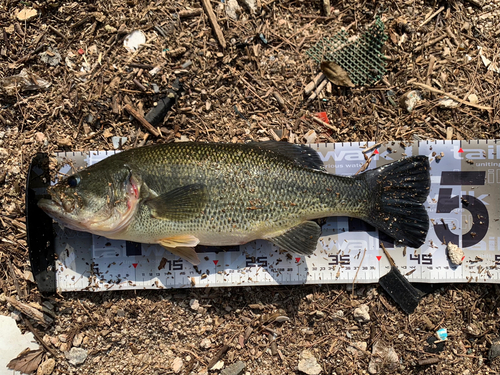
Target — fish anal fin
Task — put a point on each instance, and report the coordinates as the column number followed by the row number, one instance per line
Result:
column 186, row 253
column 301, row 239
column 182, row 203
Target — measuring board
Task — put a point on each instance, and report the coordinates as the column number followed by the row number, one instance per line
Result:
column 463, row 206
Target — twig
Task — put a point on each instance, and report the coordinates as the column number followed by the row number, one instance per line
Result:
column 370, row 148
column 40, row 340
column 356, row 275
column 391, row 261
column 451, row 96
column 213, row 21
column 218, row 356
column 432, row 16
column 326, row 125
column 314, row 83
column 40, row 317
column 190, row 13
column 57, row 32
column 430, row 43
column 142, row 120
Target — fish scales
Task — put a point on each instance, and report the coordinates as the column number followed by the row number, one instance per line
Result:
column 251, row 192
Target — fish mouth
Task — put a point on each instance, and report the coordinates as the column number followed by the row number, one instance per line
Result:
column 55, row 209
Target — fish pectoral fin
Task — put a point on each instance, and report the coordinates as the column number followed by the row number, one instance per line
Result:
column 301, row 239
column 186, row 253
column 181, row 203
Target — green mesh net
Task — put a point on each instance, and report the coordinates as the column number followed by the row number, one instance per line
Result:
column 361, row 58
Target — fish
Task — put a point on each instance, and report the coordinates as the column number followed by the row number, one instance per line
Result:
column 180, row 195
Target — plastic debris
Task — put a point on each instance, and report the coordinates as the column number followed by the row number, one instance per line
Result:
column 400, row 289
column 442, row 334
column 455, row 254
column 435, row 345
column 156, row 114
column 134, row 40
column 118, row 142
column 487, row 62
column 26, row 14
column 409, row 100
column 51, row 57
column 24, row 81
column 448, row 103
column 13, row 342
column 361, row 57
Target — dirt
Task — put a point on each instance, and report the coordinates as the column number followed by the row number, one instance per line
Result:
column 253, row 89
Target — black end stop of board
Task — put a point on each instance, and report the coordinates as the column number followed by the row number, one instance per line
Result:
column 40, row 233
column 401, row 291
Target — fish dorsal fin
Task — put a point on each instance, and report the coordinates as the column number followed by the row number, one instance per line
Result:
column 181, row 203
column 301, row 154
column 186, row 253
column 301, row 239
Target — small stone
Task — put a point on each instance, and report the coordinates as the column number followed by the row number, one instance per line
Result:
column 3, row 153
column 46, row 367
column 361, row 314
column 357, row 348
column 177, row 365
column 473, row 99
column 120, row 313
column 409, row 100
column 384, row 359
column 78, row 339
column 218, row 365
column 320, row 314
column 76, row 356
column 308, row 363
column 65, row 142
column 234, row 369
column 495, row 349
column 338, row 314
column 206, row 343
column 455, row 254
column 63, row 338
column 194, row 304
column 40, row 137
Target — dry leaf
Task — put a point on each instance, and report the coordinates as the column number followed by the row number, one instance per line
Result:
column 27, row 362
column 336, row 74
column 26, row 14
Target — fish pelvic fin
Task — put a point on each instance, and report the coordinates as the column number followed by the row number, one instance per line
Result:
column 301, row 239
column 400, row 190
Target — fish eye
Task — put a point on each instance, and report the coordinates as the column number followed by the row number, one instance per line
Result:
column 73, row 181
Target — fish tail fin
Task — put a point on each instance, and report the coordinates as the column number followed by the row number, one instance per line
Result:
column 400, row 190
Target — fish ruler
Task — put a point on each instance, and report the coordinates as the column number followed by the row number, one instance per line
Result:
column 463, row 206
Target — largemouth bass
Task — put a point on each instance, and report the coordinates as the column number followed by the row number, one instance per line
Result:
column 180, row 195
